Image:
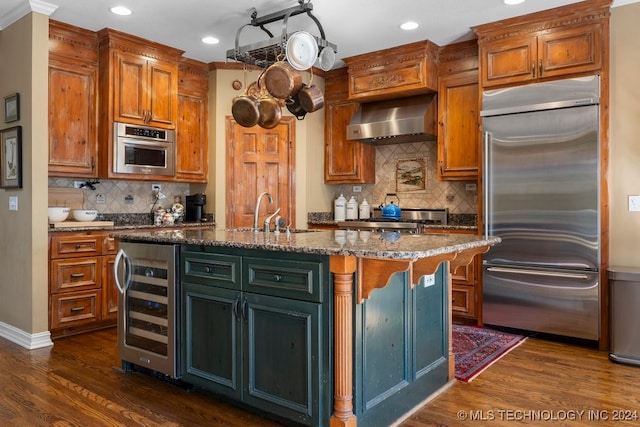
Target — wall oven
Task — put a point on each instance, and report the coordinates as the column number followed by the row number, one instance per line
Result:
column 148, row 314
column 143, row 150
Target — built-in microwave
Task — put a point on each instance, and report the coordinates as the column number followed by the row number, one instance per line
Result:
column 143, row 150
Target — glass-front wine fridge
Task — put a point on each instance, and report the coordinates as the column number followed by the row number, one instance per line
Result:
column 146, row 275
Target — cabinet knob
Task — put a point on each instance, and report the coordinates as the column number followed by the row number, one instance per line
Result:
column 277, row 277
column 207, row 269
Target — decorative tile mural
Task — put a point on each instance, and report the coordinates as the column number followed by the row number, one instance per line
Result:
column 421, row 188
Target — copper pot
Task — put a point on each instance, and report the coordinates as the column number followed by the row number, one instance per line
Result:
column 245, row 111
column 282, row 81
column 270, row 111
column 311, row 98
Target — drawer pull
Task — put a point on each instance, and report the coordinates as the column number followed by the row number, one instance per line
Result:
column 277, row 277
column 78, row 245
column 77, row 275
column 76, row 309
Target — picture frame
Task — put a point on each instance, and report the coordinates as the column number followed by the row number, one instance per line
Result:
column 12, row 108
column 11, row 157
column 410, row 175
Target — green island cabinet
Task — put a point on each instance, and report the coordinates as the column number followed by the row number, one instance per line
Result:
column 257, row 328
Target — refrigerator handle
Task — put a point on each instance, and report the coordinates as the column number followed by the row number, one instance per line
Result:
column 538, row 273
column 485, row 183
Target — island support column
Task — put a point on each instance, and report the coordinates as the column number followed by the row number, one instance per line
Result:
column 343, row 268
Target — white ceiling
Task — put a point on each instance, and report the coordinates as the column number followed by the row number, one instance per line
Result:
column 355, row 26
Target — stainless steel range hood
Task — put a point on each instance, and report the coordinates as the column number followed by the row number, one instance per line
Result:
column 395, row 121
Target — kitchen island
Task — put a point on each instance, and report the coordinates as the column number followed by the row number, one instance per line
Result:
column 360, row 268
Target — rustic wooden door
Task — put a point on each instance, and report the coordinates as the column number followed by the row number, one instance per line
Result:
column 259, row 160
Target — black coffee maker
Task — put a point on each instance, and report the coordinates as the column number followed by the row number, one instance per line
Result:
column 195, row 207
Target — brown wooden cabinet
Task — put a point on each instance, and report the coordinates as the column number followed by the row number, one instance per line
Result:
column 346, row 162
column 458, row 112
column 400, row 71
column 83, row 295
column 73, row 80
column 145, row 90
column 138, row 81
column 563, row 41
column 191, row 135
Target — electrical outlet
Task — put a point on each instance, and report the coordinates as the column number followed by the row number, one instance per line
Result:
column 634, row 203
column 156, row 187
column 101, row 199
column 128, row 199
column 428, row 280
column 77, row 184
column 471, row 186
column 357, row 188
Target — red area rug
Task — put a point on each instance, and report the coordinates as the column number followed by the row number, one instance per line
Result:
column 476, row 349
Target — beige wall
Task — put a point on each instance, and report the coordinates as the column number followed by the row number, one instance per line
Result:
column 624, row 166
column 23, row 252
column 311, row 193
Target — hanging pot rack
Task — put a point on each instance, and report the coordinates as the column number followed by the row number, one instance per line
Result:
column 264, row 53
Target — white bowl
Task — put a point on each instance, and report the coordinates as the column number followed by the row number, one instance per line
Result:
column 84, row 215
column 58, row 214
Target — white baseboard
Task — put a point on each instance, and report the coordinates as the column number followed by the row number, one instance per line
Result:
column 24, row 339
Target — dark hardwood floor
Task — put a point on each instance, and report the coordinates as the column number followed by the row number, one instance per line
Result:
column 77, row 383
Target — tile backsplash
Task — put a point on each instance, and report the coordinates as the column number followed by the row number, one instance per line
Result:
column 432, row 194
column 118, row 196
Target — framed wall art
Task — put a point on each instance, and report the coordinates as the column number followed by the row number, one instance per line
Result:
column 11, row 157
column 12, row 108
column 410, row 175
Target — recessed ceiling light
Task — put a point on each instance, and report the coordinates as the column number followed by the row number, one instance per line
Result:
column 409, row 25
column 120, row 10
column 210, row 40
column 512, row 2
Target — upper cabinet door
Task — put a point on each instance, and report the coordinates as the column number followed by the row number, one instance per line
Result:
column 458, row 133
column 73, row 141
column 129, row 94
column 572, row 50
column 346, row 161
column 162, row 94
column 508, row 60
column 145, row 91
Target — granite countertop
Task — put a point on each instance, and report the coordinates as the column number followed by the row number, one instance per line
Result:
column 335, row 242
column 116, row 227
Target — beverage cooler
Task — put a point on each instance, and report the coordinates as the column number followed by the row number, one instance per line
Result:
column 146, row 276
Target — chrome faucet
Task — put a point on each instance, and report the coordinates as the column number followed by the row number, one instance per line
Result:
column 267, row 221
column 255, row 212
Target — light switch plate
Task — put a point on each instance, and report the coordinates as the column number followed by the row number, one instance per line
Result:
column 634, row 203
column 13, row 203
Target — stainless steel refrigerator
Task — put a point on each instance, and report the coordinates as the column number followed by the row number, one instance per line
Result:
column 541, row 196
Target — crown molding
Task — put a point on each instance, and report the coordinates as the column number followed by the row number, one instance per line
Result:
column 24, row 9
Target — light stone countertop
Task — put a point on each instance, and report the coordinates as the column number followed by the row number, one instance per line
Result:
column 386, row 245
